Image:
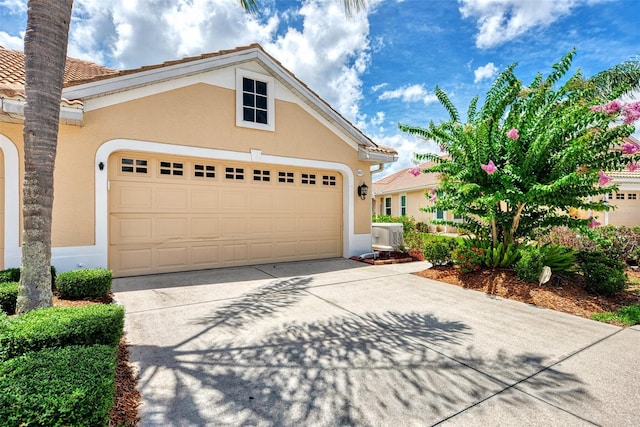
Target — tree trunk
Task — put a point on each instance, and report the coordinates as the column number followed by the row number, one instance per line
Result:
column 45, row 49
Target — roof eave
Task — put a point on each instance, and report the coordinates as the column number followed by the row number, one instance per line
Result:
column 69, row 115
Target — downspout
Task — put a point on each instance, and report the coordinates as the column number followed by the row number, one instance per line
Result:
column 378, row 170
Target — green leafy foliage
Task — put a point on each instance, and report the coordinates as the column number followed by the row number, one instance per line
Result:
column 408, row 222
column 469, row 258
column 13, row 275
column 561, row 259
column 603, row 275
column 530, row 153
column 71, row 386
column 8, row 296
column 530, row 265
column 60, row 327
column 629, row 315
column 90, row 283
column 439, row 251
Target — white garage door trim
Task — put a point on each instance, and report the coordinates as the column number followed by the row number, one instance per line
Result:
column 12, row 251
column 352, row 243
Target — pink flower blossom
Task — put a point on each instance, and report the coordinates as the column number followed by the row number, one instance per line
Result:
column 513, row 134
column 596, row 108
column 489, row 167
column 604, row 179
column 433, row 195
column 612, row 107
column 415, row 171
column 441, row 148
column 633, row 166
column 630, row 148
column 631, row 112
column 593, row 224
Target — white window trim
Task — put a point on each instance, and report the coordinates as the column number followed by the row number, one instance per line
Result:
column 390, row 206
column 271, row 88
column 400, row 204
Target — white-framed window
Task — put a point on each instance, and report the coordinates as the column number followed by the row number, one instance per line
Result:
column 439, row 214
column 403, row 204
column 387, row 205
column 255, row 105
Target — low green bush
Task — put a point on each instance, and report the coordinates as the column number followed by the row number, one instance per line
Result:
column 603, row 275
column 439, row 251
column 71, row 386
column 530, row 265
column 90, row 283
column 629, row 315
column 561, row 259
column 8, row 297
column 13, row 275
column 60, row 327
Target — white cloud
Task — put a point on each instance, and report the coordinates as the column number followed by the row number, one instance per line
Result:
column 11, row 42
column 378, row 87
column 485, row 72
column 406, row 145
column 499, row 21
column 14, row 6
column 409, row 93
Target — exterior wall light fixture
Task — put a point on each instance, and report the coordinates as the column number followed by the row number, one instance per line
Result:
column 363, row 190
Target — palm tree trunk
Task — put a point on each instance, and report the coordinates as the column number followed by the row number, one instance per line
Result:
column 45, row 48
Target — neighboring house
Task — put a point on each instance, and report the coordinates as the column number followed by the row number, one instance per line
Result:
column 224, row 159
column 403, row 193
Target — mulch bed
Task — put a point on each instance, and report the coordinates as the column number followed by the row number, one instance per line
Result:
column 566, row 294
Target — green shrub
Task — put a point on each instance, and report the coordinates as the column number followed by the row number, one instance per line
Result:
column 8, row 297
column 530, row 265
column 90, row 283
column 60, row 327
column 439, row 251
column 629, row 315
column 603, row 275
column 71, row 386
column 13, row 275
column 469, row 258
column 422, row 227
column 561, row 259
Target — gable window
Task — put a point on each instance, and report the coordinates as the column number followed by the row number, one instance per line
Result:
column 387, row 206
column 254, row 100
column 403, row 204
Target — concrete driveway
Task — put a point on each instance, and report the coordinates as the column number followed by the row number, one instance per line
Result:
column 338, row 343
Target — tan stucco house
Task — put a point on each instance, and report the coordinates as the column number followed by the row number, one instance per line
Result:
column 224, row 159
column 403, row 193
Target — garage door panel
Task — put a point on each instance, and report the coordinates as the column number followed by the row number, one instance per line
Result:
column 128, row 197
column 166, row 223
column 205, row 256
column 172, row 257
column 130, row 229
column 174, row 199
column 205, row 227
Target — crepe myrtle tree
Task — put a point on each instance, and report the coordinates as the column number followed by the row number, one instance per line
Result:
column 45, row 48
column 532, row 153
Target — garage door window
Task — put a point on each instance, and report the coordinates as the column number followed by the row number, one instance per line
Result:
column 261, row 175
column 285, row 177
column 234, row 173
column 329, row 180
column 171, row 168
column 309, row 178
column 204, row 171
column 128, row 165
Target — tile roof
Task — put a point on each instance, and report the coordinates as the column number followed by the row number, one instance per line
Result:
column 12, row 72
column 405, row 181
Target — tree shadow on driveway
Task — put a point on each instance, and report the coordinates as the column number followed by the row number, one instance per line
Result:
column 347, row 369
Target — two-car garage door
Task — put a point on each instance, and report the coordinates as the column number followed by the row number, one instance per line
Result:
column 175, row 214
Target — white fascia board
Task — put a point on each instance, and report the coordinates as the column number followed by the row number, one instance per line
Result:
column 145, row 78
column 68, row 115
column 374, row 157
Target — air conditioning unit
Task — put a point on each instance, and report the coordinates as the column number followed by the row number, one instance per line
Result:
column 386, row 236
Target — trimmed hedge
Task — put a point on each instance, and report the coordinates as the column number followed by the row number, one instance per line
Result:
column 8, row 297
column 604, row 275
column 60, row 327
column 90, row 283
column 13, row 275
column 71, row 386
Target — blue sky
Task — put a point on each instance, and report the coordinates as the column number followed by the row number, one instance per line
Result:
column 377, row 68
